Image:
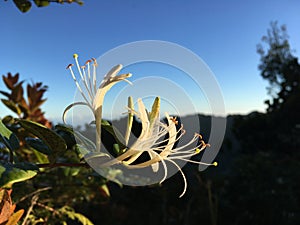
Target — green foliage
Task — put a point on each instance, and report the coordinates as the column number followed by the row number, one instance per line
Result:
column 8, row 138
column 49, row 155
column 65, row 188
column 55, row 143
column 66, row 172
column 17, row 172
column 279, row 67
column 263, row 186
column 107, row 127
column 25, row 5
column 71, row 214
column 41, row 3
column 38, row 145
column 260, row 188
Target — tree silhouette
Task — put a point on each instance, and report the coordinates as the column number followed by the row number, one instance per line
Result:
column 263, row 187
column 279, row 67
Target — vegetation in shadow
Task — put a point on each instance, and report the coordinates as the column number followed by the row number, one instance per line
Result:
column 256, row 181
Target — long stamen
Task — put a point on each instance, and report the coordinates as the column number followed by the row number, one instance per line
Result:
column 149, row 141
column 82, row 76
column 153, row 139
column 165, row 170
column 76, row 82
column 186, row 145
column 94, row 74
column 173, row 142
column 183, row 176
column 89, row 76
column 193, row 161
column 192, row 151
column 86, row 84
column 188, row 153
column 75, row 56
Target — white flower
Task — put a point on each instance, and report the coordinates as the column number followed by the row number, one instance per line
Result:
column 151, row 141
column 93, row 95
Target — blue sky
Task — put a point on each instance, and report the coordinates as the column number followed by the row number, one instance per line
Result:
column 39, row 44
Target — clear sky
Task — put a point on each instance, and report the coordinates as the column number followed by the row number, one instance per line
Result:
column 39, row 44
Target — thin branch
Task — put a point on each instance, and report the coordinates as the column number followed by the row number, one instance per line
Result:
column 32, row 193
column 54, row 165
column 46, row 207
column 33, row 202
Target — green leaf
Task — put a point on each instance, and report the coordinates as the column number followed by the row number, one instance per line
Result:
column 117, row 150
column 67, row 134
column 55, row 142
column 23, row 5
column 12, row 106
column 8, row 137
column 8, row 120
column 64, row 128
column 71, row 171
column 79, row 2
column 84, row 143
column 71, row 214
column 114, row 132
column 41, row 158
column 38, row 145
column 41, row 3
column 13, row 173
column 81, row 150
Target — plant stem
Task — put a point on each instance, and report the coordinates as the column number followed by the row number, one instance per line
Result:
column 98, row 118
column 33, row 202
column 54, row 165
column 33, row 193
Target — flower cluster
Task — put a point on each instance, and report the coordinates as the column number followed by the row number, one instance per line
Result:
column 152, row 139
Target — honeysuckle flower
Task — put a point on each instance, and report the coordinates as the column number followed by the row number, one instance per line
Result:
column 157, row 138
column 152, row 141
column 94, row 96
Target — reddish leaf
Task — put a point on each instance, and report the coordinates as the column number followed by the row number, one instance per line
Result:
column 5, row 205
column 17, row 93
column 35, row 93
column 24, row 107
column 5, row 94
column 37, row 105
column 10, row 80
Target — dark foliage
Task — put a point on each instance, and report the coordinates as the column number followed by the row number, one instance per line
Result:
column 263, row 187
